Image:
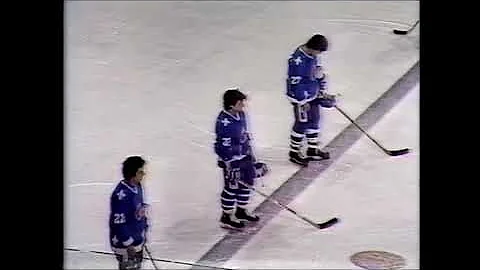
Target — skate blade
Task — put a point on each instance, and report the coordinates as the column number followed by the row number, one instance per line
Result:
column 318, row 158
column 247, row 221
column 298, row 162
column 228, row 227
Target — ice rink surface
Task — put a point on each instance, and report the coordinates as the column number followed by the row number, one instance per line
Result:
column 146, row 77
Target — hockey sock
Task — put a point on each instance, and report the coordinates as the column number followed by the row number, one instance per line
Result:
column 313, row 140
column 228, row 200
column 296, row 140
column 243, row 196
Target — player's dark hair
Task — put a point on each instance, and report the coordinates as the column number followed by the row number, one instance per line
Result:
column 131, row 166
column 231, row 97
column 318, row 43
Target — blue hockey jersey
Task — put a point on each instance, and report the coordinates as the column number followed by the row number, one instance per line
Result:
column 232, row 138
column 302, row 85
column 127, row 221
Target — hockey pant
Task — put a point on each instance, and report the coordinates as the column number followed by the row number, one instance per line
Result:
column 306, row 126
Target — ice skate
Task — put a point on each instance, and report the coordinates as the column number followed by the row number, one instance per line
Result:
column 228, row 221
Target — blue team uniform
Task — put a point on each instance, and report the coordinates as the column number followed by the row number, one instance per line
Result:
column 303, row 89
column 232, row 146
column 233, row 141
column 128, row 221
column 304, row 85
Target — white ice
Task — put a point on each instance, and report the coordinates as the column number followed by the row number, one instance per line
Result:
column 146, row 78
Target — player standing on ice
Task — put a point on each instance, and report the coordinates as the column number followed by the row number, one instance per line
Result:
column 128, row 220
column 306, row 90
column 235, row 157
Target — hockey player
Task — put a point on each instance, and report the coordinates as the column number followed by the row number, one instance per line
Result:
column 128, row 220
column 306, row 90
column 235, row 157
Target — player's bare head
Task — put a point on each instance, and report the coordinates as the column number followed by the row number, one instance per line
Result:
column 233, row 99
column 133, row 168
column 317, row 44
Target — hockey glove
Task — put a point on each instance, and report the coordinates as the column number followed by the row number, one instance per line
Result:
column 261, row 169
column 327, row 101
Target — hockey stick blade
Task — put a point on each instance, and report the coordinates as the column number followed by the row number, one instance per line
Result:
column 323, row 225
column 388, row 152
column 398, row 152
column 328, row 223
column 400, row 32
column 404, row 32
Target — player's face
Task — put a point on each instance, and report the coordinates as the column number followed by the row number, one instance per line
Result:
column 140, row 174
column 315, row 52
column 239, row 106
column 312, row 52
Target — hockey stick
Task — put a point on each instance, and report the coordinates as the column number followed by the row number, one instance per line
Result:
column 322, row 225
column 151, row 258
column 158, row 260
column 404, row 32
column 388, row 152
